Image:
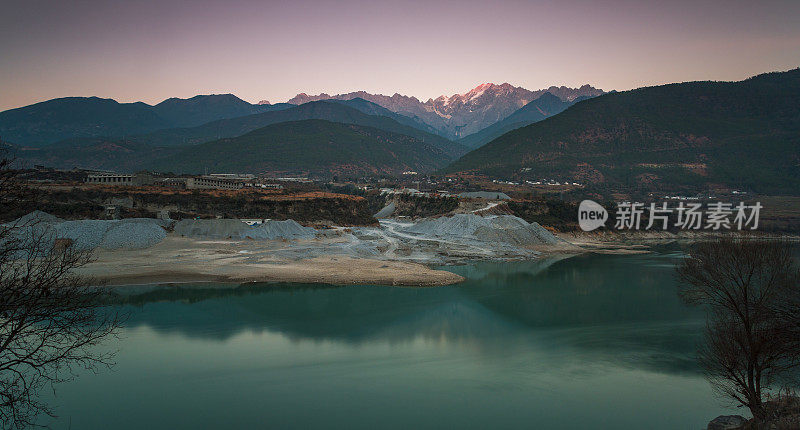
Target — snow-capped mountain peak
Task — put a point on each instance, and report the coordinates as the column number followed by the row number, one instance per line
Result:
column 461, row 114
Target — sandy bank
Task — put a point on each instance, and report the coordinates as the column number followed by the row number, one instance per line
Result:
column 178, row 259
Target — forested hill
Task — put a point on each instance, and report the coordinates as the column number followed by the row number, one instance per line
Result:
column 314, row 147
column 741, row 134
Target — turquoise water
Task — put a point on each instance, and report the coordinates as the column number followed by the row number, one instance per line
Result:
column 585, row 342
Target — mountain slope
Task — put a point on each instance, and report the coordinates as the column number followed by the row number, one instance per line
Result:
column 325, row 110
column 206, row 108
column 94, row 153
column 371, row 108
column 53, row 120
column 545, row 106
column 314, row 147
column 690, row 135
column 460, row 114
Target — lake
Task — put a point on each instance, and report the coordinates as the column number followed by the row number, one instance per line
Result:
column 592, row 341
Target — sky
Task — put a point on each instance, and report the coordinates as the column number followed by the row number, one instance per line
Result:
column 150, row 50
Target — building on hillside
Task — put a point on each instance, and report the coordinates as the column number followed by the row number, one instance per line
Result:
column 212, row 183
column 136, row 179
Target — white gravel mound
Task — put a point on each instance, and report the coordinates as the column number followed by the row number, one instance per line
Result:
column 35, row 217
column 133, row 234
column 90, row 234
column 288, row 229
column 236, row 229
column 506, row 229
column 211, row 228
column 85, row 234
column 112, row 234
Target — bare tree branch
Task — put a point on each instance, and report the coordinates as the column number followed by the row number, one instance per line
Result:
column 751, row 291
column 51, row 321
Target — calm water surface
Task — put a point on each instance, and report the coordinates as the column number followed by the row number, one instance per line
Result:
column 585, row 342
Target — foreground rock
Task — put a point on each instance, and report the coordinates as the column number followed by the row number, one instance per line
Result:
column 727, row 422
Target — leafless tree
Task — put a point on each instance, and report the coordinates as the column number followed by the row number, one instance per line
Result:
column 750, row 290
column 51, row 320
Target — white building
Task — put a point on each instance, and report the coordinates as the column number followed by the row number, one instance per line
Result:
column 136, row 179
column 212, row 183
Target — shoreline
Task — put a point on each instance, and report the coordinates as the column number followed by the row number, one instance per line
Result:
column 415, row 275
column 345, row 257
column 183, row 260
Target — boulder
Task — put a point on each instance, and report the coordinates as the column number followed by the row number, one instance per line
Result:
column 727, row 422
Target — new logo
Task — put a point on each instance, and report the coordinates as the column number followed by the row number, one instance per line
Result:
column 591, row 215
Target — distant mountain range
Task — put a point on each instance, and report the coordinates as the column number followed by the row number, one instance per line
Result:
column 47, row 122
column 71, row 117
column 460, row 115
column 202, row 109
column 689, row 136
column 693, row 135
column 451, row 117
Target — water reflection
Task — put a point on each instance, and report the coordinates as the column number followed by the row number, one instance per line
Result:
column 583, row 342
column 604, row 309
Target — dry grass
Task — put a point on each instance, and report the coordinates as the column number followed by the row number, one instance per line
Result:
column 783, row 413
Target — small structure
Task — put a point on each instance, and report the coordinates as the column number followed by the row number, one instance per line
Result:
column 212, row 183
column 109, row 178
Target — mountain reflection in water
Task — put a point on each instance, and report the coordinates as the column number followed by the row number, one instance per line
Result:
column 562, row 343
column 620, row 308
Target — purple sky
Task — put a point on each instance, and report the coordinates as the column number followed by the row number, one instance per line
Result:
column 149, row 50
